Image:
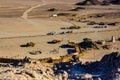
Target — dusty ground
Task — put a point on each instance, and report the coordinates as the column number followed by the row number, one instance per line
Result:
column 24, row 21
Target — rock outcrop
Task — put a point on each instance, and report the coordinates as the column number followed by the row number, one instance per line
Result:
column 108, row 67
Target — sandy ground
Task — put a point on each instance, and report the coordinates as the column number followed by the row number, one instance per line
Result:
column 23, row 23
column 12, row 45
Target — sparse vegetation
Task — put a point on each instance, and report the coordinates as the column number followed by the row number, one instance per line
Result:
column 74, row 27
column 102, row 23
column 91, row 23
column 54, row 41
column 71, row 44
column 35, row 52
column 29, row 44
column 66, row 14
column 75, row 9
column 52, row 9
column 88, row 40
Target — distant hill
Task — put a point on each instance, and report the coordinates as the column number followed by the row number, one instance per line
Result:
column 89, row 2
column 98, row 2
column 114, row 1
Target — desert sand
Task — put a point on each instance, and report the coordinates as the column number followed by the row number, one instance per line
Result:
column 30, row 22
column 24, row 21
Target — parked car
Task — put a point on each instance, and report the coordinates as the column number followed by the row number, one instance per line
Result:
column 51, row 33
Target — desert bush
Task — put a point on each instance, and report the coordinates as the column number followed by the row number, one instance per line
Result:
column 87, row 40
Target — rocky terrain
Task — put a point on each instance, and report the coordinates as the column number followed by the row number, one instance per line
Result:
column 108, row 68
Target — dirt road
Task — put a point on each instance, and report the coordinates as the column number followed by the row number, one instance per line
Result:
column 25, row 14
